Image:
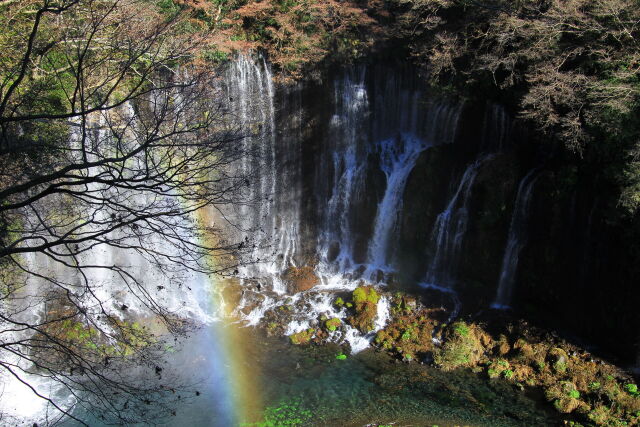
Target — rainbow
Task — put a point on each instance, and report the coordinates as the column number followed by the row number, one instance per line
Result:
column 239, row 375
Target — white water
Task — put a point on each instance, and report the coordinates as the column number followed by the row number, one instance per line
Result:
column 317, row 305
column 268, row 220
column 449, row 231
column 395, row 130
column 497, row 129
column 386, row 136
column 352, row 106
column 516, row 241
column 398, row 157
column 112, row 279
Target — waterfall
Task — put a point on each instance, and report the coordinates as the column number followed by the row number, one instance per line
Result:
column 348, row 160
column 268, row 216
column 516, row 240
column 397, row 158
column 497, row 129
column 449, row 230
column 114, row 275
column 388, row 132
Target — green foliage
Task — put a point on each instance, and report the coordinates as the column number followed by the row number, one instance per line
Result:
column 341, row 356
column 287, row 414
column 168, row 7
column 461, row 329
column 214, row 56
column 339, row 302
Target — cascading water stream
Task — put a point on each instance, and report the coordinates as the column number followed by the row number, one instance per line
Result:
column 449, row 231
column 269, row 220
column 397, row 158
column 496, row 129
column 516, row 241
column 352, row 104
column 120, row 277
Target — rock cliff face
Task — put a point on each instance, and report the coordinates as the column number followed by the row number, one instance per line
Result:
column 376, row 178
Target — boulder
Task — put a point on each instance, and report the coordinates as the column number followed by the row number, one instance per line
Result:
column 300, row 279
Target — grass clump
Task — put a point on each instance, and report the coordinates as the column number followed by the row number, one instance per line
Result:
column 462, row 348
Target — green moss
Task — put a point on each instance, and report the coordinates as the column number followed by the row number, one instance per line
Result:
column 332, row 324
column 575, row 394
column 341, row 356
column 493, row 373
column 302, row 337
column 461, row 329
column 365, row 294
column 90, row 342
column 365, row 299
column 339, row 302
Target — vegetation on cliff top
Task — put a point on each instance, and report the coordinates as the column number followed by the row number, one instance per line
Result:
column 296, row 34
column 571, row 68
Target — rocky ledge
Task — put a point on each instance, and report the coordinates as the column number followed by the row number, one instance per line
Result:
column 584, row 389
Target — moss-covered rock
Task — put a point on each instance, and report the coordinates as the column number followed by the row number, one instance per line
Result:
column 559, row 360
column 409, row 334
column 302, row 337
column 365, row 303
column 332, row 324
column 462, row 347
column 365, row 295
